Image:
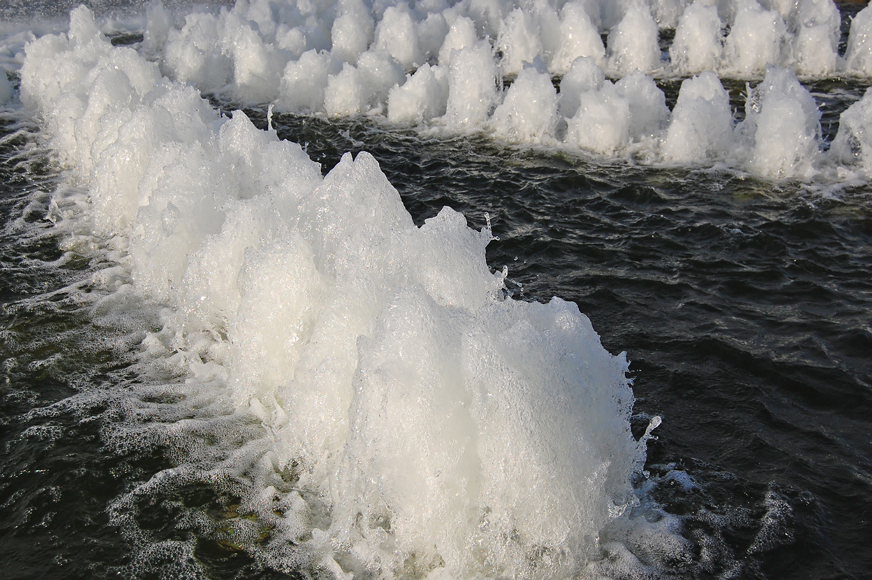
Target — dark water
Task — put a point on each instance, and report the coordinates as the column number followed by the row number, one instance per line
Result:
column 745, row 308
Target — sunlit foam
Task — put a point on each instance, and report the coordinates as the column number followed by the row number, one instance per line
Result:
column 411, row 419
column 462, row 68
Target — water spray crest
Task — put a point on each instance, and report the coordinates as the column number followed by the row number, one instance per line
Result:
column 414, row 419
column 446, row 68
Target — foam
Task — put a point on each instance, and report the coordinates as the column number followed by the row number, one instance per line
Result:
column 697, row 46
column 758, row 37
column 802, row 36
column 668, row 12
column 192, row 54
column 859, row 53
column 430, row 425
column 460, row 35
column 304, row 81
column 701, row 125
column 422, row 97
column 518, row 41
column 853, row 142
column 364, row 384
column 608, row 119
column 450, row 66
column 817, row 40
column 633, row 42
column 472, row 86
column 602, row 121
column 648, row 112
column 344, row 95
column 528, row 114
column 785, row 124
column 799, row 35
column 578, row 37
column 397, row 34
column 584, row 76
column 380, row 74
column 352, row 31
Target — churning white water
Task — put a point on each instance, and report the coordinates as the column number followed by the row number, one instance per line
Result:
column 442, row 66
column 414, row 420
column 432, row 419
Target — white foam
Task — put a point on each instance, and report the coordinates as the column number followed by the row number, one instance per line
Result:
column 488, row 15
column 396, row 61
column 460, row 35
column 344, row 95
column 352, row 30
column 548, row 25
column 757, row 37
column 785, row 124
column 612, row 117
column 158, row 24
column 859, row 53
column 380, row 74
column 257, row 65
column 817, row 38
column 417, row 410
column 472, row 88
column 420, row 411
column 785, row 8
column 192, row 54
column 5, row 88
column 304, row 81
column 518, row 41
column 528, row 114
column 853, row 142
column 397, row 34
column 668, row 12
column 578, row 37
column 422, row 97
column 584, row 76
column 648, row 112
column 432, row 31
column 698, row 39
column 602, row 121
column 633, row 42
column 701, row 126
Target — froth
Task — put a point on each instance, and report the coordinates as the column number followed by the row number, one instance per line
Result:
column 410, row 418
column 463, row 67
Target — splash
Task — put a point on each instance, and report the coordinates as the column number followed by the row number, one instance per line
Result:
column 408, row 417
column 469, row 66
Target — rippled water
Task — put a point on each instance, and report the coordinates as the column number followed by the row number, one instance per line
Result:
column 745, row 308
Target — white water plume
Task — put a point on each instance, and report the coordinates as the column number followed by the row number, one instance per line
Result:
column 442, row 66
column 415, row 421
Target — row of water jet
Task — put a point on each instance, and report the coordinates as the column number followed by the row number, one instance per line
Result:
column 252, row 44
column 414, row 421
column 442, row 66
